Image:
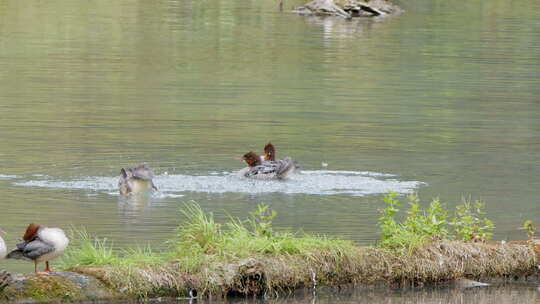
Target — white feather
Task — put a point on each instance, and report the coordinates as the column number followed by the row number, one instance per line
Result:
column 3, row 249
column 55, row 237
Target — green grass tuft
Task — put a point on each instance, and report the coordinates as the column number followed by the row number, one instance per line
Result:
column 200, row 240
column 86, row 250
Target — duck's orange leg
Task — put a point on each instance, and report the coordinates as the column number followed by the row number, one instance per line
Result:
column 47, row 269
column 38, row 272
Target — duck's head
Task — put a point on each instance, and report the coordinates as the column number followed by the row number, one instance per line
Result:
column 269, row 152
column 126, row 173
column 252, row 159
column 31, row 232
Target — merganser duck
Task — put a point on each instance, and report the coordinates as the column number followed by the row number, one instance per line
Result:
column 136, row 179
column 40, row 244
column 269, row 153
column 266, row 170
column 3, row 249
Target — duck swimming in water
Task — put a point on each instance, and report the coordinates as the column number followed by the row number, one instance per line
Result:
column 40, row 244
column 269, row 155
column 136, row 179
column 258, row 169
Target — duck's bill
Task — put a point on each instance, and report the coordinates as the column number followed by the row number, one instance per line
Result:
column 2, row 231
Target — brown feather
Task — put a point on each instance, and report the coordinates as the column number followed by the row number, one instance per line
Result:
column 252, row 159
column 269, row 152
column 31, row 232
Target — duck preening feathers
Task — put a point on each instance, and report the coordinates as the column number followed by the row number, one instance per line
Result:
column 40, row 244
column 258, row 169
column 136, row 179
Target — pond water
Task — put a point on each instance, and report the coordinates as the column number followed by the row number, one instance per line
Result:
column 486, row 295
column 442, row 100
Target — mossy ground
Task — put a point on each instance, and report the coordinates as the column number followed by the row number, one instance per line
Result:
column 44, row 288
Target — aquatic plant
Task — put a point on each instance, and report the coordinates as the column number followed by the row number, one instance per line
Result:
column 468, row 223
column 418, row 228
column 529, row 226
column 421, row 226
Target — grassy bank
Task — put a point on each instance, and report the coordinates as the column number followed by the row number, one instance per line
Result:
column 250, row 257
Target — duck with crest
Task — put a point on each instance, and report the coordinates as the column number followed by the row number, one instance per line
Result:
column 136, row 180
column 269, row 153
column 40, row 244
column 258, row 169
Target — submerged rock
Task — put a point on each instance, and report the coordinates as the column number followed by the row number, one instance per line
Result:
column 466, row 283
column 349, row 8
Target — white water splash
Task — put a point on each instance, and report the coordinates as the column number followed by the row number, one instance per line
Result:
column 321, row 182
column 7, row 176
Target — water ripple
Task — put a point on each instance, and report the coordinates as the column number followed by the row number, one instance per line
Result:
column 321, row 182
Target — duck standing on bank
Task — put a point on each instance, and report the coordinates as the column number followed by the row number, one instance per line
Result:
column 266, row 170
column 40, row 244
column 135, row 180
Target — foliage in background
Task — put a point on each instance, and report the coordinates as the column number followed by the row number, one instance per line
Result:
column 421, row 226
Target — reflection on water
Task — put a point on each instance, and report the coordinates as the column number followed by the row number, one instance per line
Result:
column 482, row 295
